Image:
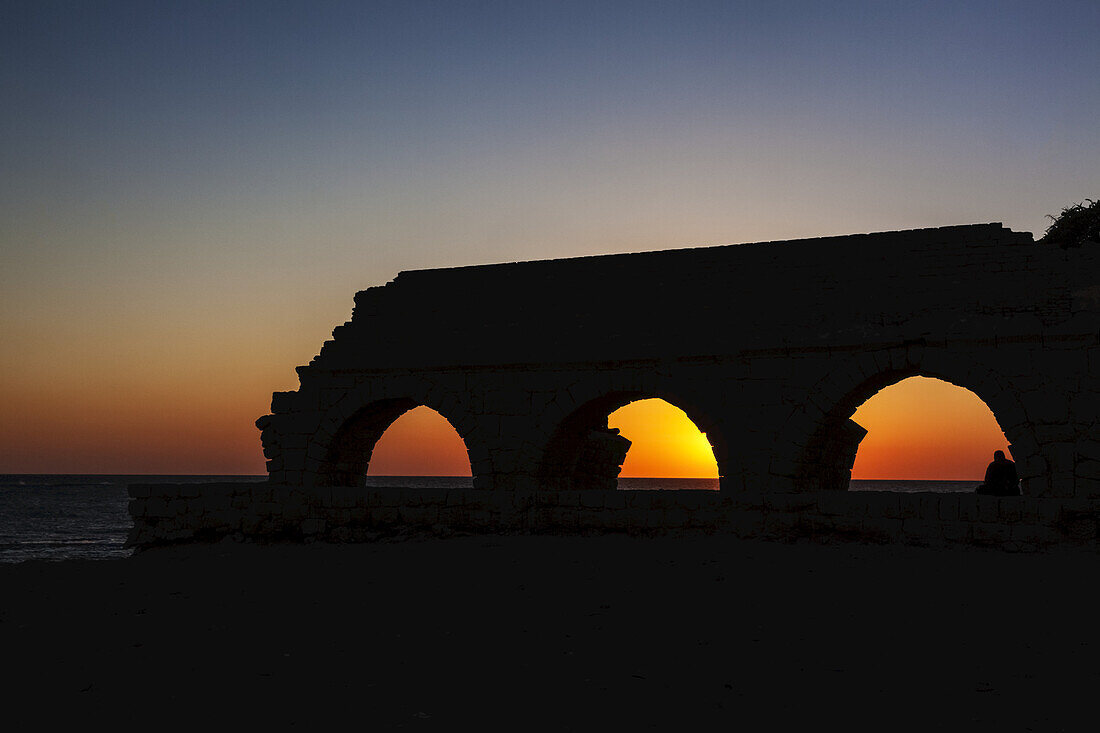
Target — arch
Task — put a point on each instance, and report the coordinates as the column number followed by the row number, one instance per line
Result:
column 665, row 443
column 341, row 449
column 825, row 439
column 929, row 430
column 420, row 442
column 582, row 452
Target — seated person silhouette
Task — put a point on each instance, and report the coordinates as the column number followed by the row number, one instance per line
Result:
column 1000, row 477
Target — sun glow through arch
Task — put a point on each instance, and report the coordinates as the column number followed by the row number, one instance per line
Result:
column 420, row 443
column 665, row 442
column 926, row 429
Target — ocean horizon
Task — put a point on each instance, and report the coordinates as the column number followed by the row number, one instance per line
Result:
column 86, row 516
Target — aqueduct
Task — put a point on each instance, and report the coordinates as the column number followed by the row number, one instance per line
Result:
column 768, row 347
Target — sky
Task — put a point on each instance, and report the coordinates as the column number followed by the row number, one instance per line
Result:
column 191, row 193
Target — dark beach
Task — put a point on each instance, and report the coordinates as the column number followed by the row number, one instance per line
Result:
column 546, row 632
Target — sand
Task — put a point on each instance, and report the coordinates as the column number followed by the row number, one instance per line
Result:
column 556, row 633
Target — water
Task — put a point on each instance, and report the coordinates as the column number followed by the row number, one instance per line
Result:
column 912, row 487
column 63, row 517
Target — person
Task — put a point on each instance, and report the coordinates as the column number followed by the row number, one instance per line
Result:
column 1000, row 477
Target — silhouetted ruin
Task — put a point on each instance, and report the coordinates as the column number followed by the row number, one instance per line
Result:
column 768, row 347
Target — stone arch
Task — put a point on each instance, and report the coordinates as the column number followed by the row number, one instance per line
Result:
column 581, row 452
column 823, row 439
column 341, row 448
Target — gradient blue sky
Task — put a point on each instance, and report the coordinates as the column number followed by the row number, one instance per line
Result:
column 192, row 192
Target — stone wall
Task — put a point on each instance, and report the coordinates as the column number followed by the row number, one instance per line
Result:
column 167, row 513
column 769, row 348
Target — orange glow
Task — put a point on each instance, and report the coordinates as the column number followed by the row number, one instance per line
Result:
column 117, row 389
column 420, row 443
column 927, row 429
column 159, row 424
column 666, row 443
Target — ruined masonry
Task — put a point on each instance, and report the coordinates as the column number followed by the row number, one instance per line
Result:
column 769, row 348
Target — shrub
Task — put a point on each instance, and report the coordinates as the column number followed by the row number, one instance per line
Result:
column 1076, row 225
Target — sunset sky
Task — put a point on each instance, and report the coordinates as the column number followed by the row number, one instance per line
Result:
column 191, row 193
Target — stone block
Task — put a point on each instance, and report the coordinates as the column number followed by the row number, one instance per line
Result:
column 281, row 494
column 570, row 498
column 189, row 490
column 991, row 533
column 1063, row 485
column 344, row 497
column 675, row 517
column 1049, row 510
column 746, row 523
column 989, row 509
column 1010, row 510
column 1061, row 457
column 948, row 507
column 266, row 508
column 968, row 507
column 589, row 519
column 748, row 500
column 390, row 497
column 789, row 502
column 1032, row 466
column 924, row 529
column 692, row 500
column 1077, row 526
column 567, row 517
column 1087, row 448
column 139, row 491
column 834, row 503
column 226, row 518
column 879, row 504
column 1046, row 407
column 1088, row 469
column 344, row 517
column 1063, row 435
column 261, row 492
column 592, row 499
column 384, row 516
column 422, row 516
column 783, row 525
column 1087, row 488
column 312, row 527
column 1039, row 535
column 215, row 501
column 845, row 523
column 956, row 531
column 930, row 506
column 178, row 534
column 909, row 506
column 282, row 402
column 882, row 529
column 157, row 506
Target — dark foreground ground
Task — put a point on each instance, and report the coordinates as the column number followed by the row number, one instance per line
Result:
column 555, row 633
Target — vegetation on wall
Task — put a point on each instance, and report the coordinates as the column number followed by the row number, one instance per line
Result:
column 1076, row 225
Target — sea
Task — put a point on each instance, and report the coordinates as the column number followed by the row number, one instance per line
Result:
column 85, row 517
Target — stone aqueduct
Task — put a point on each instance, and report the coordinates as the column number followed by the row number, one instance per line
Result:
column 768, row 347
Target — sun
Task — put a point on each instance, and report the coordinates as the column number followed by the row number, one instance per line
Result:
column 665, row 442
